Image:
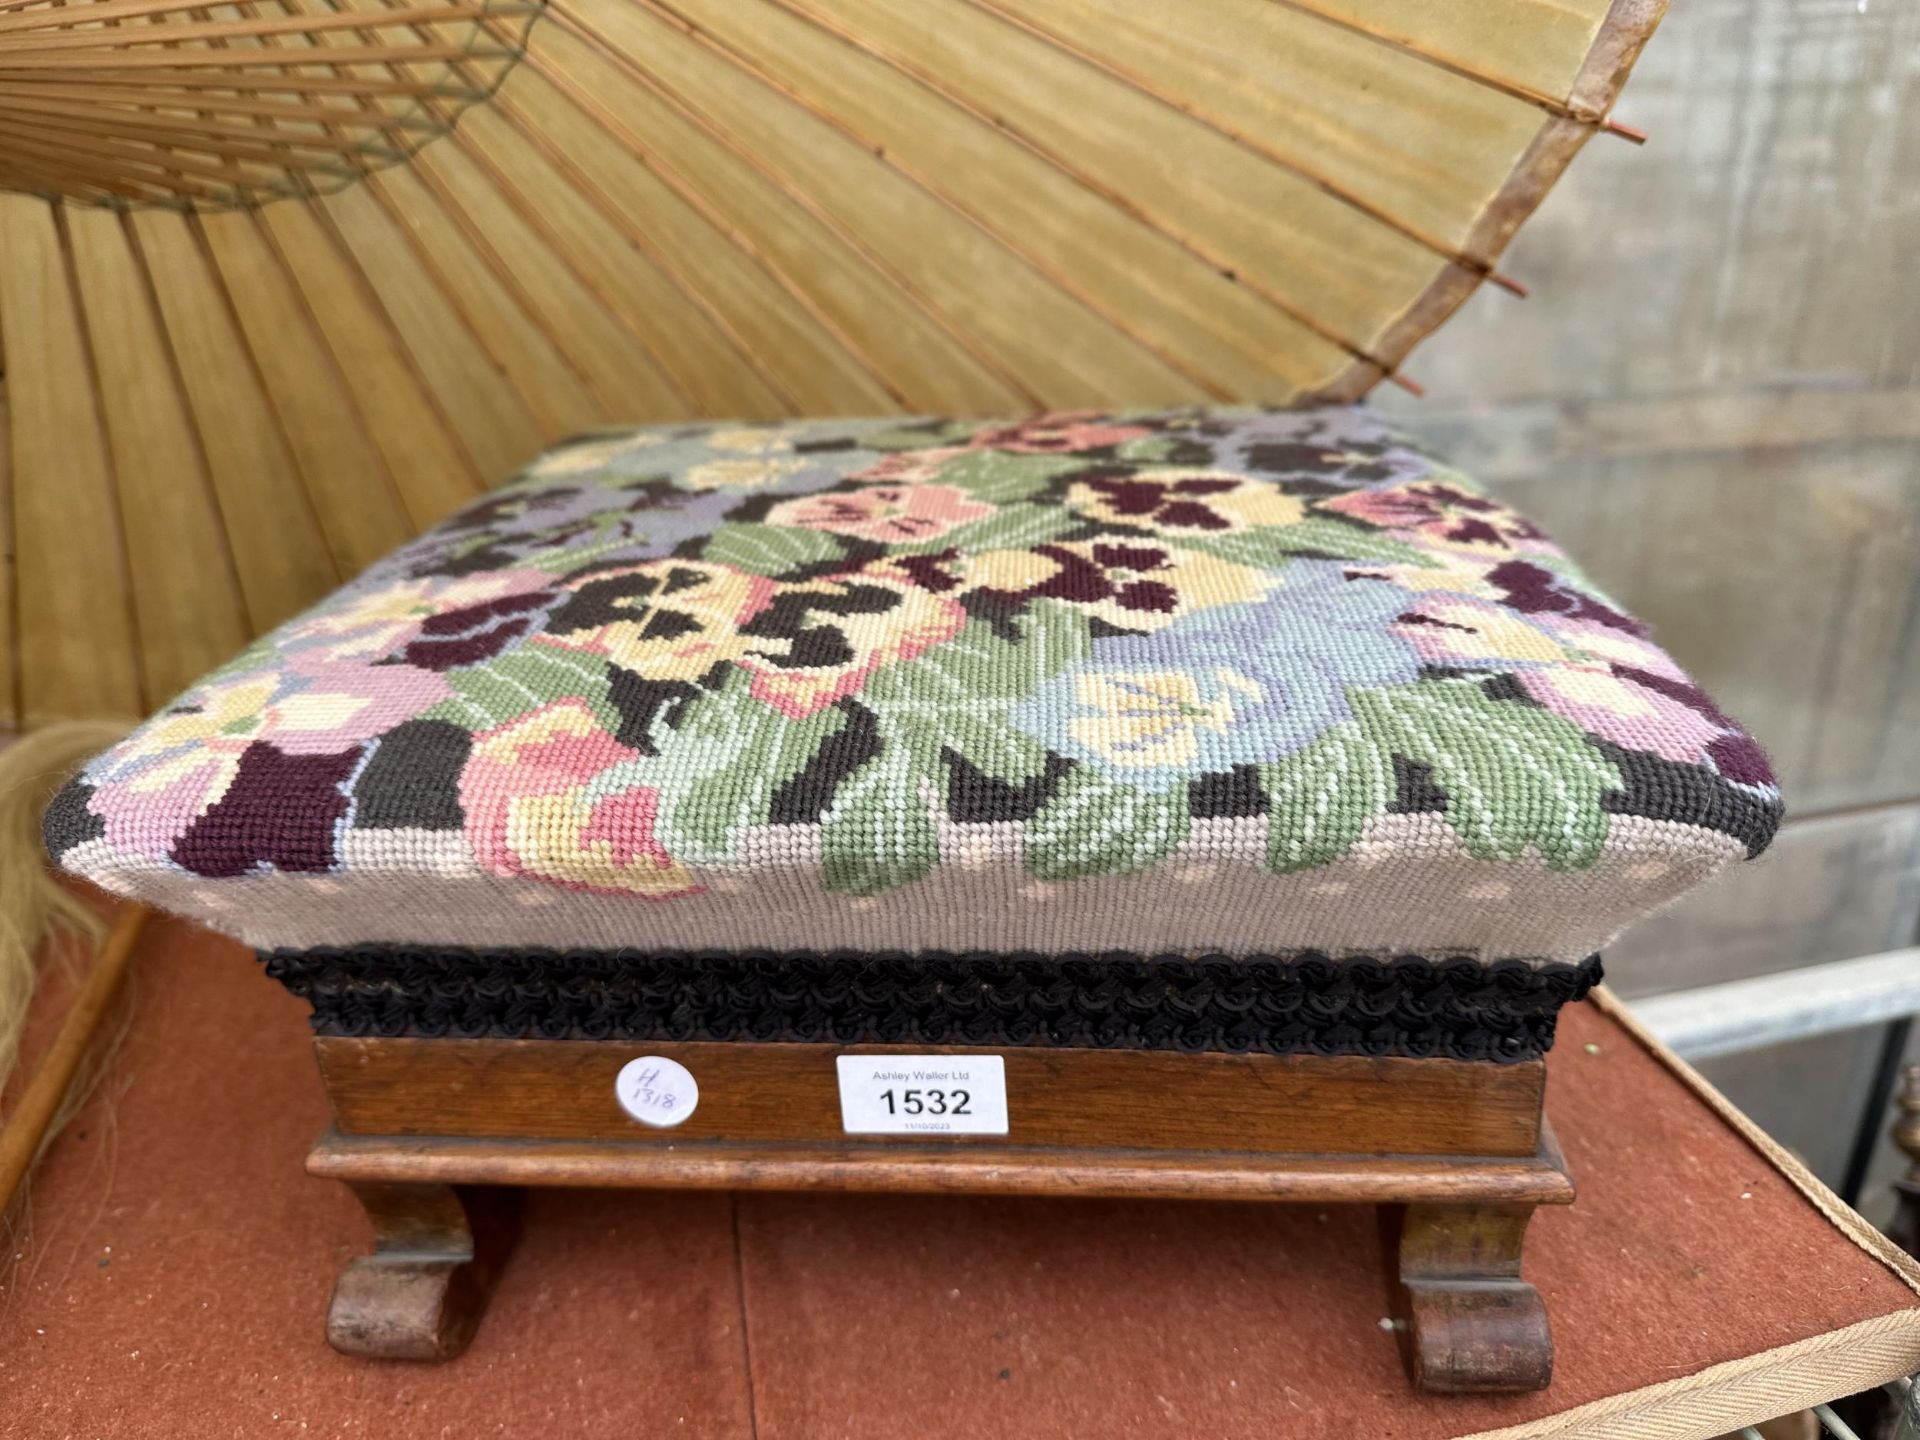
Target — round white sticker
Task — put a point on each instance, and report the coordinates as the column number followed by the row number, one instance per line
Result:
column 656, row 1091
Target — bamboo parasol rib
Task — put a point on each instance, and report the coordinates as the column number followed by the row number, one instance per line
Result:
column 282, row 281
column 176, row 102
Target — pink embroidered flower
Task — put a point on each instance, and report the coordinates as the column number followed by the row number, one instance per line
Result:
column 1064, row 432
column 1609, row 681
column 910, row 466
column 147, row 809
column 888, row 514
column 1615, row 707
column 544, row 795
column 171, row 772
column 326, row 707
column 1445, row 515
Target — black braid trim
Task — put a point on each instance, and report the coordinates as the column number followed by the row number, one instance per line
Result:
column 1301, row 1003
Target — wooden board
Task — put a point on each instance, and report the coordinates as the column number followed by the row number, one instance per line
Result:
column 945, row 1169
column 1064, row 1098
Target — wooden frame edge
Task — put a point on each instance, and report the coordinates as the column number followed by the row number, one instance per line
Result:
column 923, row 1168
column 1070, row 1098
column 1617, row 46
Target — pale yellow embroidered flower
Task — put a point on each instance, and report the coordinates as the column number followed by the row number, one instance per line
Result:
column 661, row 619
column 589, row 455
column 1468, row 629
column 1148, row 719
column 752, row 440
column 232, row 709
column 748, row 473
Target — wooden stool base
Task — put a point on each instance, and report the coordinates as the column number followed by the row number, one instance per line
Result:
column 437, row 1253
column 1474, row 1324
column 433, row 1136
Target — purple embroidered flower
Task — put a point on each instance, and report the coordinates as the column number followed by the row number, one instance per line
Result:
column 1445, row 515
column 278, row 811
column 1607, row 678
column 476, row 632
column 1534, row 590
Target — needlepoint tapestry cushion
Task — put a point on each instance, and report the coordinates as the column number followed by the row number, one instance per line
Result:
column 1198, row 683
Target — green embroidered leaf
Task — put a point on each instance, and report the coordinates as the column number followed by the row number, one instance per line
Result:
column 919, row 435
column 260, row 653
column 1514, row 774
column 1001, row 478
column 1323, row 796
column 1271, row 546
column 958, row 694
column 724, row 763
column 1013, row 527
column 494, row 692
column 1147, row 449
column 1093, row 825
column 979, row 667
column 878, row 834
column 989, row 742
column 769, row 549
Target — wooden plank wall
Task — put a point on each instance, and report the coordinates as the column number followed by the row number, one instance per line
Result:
column 1713, row 398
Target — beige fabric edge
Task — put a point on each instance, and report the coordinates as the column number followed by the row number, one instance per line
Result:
column 1775, row 1382
column 1741, row 1392
column 1629, row 24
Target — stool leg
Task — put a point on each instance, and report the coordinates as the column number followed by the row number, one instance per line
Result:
column 1476, row 1325
column 437, row 1252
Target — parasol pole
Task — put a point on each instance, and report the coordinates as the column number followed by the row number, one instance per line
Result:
column 27, row 1127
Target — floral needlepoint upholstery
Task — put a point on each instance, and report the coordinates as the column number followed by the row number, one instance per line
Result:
column 1192, row 701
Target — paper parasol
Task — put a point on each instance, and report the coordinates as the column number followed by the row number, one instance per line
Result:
column 282, row 281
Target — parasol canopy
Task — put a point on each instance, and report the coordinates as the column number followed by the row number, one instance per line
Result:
column 283, row 281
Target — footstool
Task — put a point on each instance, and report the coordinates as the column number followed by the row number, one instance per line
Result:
column 1212, row 804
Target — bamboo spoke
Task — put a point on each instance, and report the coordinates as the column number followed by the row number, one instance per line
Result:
column 954, row 200
column 930, row 81
column 687, row 208
column 660, row 86
column 178, row 102
column 1468, row 72
column 102, row 19
column 25, row 64
column 1293, row 165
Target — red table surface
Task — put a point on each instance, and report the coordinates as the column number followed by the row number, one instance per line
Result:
column 173, row 1274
